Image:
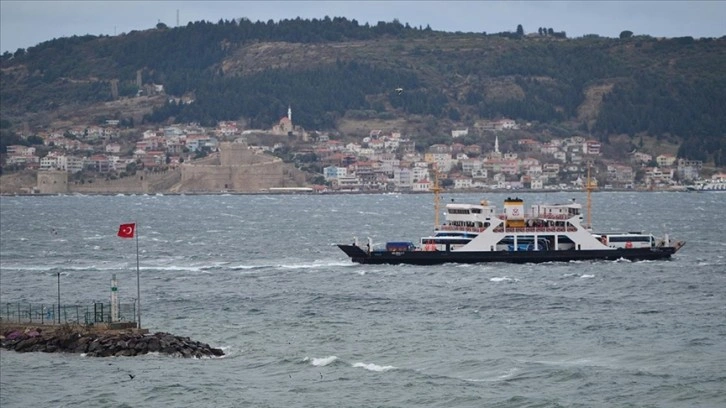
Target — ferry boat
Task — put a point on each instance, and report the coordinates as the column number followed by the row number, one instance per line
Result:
column 473, row 233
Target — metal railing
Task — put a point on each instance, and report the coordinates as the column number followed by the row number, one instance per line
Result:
column 34, row 313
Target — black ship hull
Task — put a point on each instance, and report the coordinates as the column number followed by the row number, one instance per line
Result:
column 357, row 254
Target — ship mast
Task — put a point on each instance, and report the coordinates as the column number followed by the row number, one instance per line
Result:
column 588, row 188
column 436, row 190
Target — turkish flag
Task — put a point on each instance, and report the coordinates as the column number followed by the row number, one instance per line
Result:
column 126, row 230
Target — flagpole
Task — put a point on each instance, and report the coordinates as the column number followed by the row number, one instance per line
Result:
column 138, row 280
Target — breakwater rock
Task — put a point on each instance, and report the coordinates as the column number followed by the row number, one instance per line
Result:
column 102, row 343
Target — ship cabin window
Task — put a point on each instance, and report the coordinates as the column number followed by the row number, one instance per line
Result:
column 476, row 210
column 469, row 224
column 524, row 243
column 629, row 238
column 564, row 239
column 458, row 211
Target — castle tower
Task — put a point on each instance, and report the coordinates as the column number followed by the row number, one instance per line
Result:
column 52, row 182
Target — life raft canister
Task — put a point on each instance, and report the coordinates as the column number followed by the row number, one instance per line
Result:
column 628, row 244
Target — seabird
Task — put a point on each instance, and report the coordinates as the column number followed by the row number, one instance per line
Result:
column 131, row 376
column 399, row 90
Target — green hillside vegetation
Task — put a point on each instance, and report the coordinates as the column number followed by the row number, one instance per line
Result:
column 669, row 89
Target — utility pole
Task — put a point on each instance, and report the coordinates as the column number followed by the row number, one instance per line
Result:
column 59, row 312
column 114, row 299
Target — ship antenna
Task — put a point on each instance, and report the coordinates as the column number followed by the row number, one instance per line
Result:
column 436, row 190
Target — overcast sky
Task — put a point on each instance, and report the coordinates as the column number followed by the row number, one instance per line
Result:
column 27, row 23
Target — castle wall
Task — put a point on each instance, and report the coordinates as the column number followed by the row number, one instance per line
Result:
column 247, row 178
column 140, row 183
column 242, row 170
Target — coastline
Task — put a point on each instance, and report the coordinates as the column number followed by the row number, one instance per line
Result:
column 99, row 341
column 223, row 193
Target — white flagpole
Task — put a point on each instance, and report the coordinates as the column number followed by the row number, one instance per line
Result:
column 138, row 280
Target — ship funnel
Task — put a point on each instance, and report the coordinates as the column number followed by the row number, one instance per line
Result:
column 514, row 212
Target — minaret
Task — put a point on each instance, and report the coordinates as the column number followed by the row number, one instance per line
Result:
column 496, row 144
column 289, row 113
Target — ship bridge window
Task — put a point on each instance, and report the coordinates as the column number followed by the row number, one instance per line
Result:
column 458, row 211
column 476, row 210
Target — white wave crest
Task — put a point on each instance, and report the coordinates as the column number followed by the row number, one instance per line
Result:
column 587, row 276
column 316, row 264
column 322, row 361
column 504, row 279
column 373, row 367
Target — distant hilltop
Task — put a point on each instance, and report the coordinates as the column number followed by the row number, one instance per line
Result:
column 337, row 73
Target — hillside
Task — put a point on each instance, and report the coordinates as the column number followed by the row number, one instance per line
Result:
column 340, row 75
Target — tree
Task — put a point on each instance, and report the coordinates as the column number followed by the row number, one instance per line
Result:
column 625, row 34
column 34, row 140
column 520, row 30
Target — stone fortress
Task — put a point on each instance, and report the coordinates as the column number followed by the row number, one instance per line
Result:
column 234, row 168
column 239, row 169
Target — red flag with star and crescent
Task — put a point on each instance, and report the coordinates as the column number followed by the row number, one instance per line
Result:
column 126, row 230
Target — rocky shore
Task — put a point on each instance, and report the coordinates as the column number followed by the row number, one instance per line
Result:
column 96, row 342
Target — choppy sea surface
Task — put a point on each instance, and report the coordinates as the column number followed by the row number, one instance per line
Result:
column 302, row 326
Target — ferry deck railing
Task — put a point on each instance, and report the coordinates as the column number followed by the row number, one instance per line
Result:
column 508, row 229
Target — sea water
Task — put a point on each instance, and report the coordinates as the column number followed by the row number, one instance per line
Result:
column 302, row 326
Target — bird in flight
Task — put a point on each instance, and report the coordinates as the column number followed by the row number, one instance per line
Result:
column 399, row 90
column 131, row 376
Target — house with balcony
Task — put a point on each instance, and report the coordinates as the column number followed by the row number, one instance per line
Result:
column 656, row 176
column 99, row 163
column 470, row 166
column 442, row 161
column 641, row 158
column 50, row 162
column 154, row 159
column 473, row 150
column 462, row 183
column 334, row 172
column 403, row 178
column 537, row 183
column 347, row 183
column 113, row 148
column 620, row 174
column 459, row 132
column 551, row 170
column 591, row 147
column 665, row 160
column 421, row 186
column 689, row 169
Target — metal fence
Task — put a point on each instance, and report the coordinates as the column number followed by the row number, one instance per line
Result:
column 51, row 314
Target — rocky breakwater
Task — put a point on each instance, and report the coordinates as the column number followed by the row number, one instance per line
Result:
column 101, row 343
